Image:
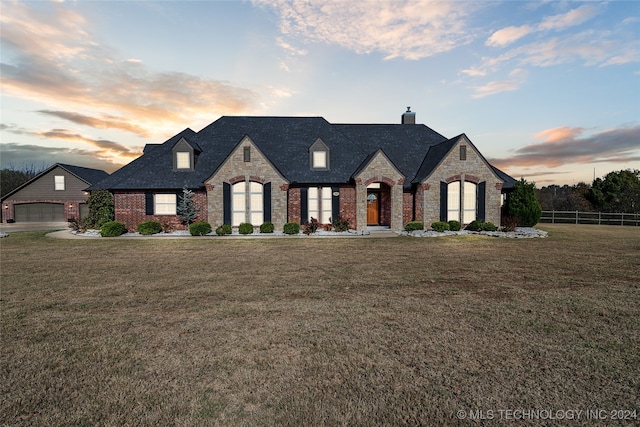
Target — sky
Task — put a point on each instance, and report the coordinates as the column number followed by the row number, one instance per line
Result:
column 548, row 91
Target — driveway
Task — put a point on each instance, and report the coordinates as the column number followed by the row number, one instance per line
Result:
column 32, row 226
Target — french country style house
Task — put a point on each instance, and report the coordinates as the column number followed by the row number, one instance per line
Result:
column 292, row 169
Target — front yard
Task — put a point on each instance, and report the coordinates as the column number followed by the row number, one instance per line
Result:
column 399, row 331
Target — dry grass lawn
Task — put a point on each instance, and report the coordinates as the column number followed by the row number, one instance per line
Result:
column 358, row 332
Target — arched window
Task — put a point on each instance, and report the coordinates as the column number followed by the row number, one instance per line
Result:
column 453, row 201
column 462, row 205
column 470, row 202
column 247, row 203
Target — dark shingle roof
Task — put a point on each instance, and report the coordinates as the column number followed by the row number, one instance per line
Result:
column 285, row 141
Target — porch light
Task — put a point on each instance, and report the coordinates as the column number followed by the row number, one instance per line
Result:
column 6, row 206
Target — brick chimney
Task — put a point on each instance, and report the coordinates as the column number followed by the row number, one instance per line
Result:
column 409, row 117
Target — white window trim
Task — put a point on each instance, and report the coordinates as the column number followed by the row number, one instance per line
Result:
column 58, row 183
column 243, row 207
column 165, row 204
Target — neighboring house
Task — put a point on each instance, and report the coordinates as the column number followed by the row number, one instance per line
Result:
column 55, row 195
column 290, row 169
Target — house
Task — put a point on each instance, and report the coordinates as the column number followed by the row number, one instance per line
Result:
column 55, row 195
column 292, row 169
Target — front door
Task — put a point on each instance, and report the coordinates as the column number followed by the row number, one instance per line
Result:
column 373, row 209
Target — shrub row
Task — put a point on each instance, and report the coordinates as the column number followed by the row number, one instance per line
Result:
column 478, row 225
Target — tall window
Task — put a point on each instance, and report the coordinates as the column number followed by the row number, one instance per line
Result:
column 183, row 160
column 247, row 209
column 470, row 201
column 164, row 204
column 453, row 201
column 320, row 204
column 58, row 182
column 238, row 203
column 256, row 214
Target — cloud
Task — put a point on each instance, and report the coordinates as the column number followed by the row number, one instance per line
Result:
column 508, row 35
column 50, row 56
column 565, row 145
column 398, row 29
column 30, row 154
column 516, row 78
column 571, row 18
column 106, row 122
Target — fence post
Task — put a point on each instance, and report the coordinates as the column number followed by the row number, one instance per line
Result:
column 576, row 217
column 622, row 219
column 553, row 217
column 599, row 218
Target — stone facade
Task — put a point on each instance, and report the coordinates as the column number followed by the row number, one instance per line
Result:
column 474, row 169
column 258, row 169
column 380, row 169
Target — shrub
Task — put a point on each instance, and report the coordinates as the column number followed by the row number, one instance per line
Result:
column 414, row 226
column 101, row 209
column 475, row 226
column 310, row 227
column 112, row 229
column 149, row 227
column 341, row 225
column 488, row 226
column 509, row 223
column 245, row 228
column 200, row 228
column 522, row 203
column 224, row 229
column 440, row 226
column 455, row 225
column 267, row 227
column 291, row 228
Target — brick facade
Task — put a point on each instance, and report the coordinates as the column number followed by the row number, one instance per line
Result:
column 130, row 209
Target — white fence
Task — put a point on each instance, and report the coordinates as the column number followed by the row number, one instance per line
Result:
column 600, row 218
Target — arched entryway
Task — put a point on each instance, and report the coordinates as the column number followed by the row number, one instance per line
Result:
column 378, row 204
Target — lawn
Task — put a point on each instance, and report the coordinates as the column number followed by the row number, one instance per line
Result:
column 358, row 332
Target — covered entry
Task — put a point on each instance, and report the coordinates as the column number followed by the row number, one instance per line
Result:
column 39, row 212
column 378, row 204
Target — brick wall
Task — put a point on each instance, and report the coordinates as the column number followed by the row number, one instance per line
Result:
column 407, row 207
column 348, row 204
column 130, row 209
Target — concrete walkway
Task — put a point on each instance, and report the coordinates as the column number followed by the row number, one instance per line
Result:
column 32, row 226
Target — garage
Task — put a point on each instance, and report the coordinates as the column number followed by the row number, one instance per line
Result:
column 39, row 212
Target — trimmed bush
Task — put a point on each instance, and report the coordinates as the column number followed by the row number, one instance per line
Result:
column 523, row 204
column 112, row 229
column 440, row 226
column 341, row 225
column 291, row 228
column 149, row 227
column 414, row 226
column 267, row 227
column 475, row 226
column 200, row 228
column 245, row 228
column 224, row 229
column 455, row 225
column 489, row 226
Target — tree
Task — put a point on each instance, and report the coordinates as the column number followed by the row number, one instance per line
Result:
column 523, row 205
column 101, row 209
column 12, row 178
column 186, row 209
column 617, row 192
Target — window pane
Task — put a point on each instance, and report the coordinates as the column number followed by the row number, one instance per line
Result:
column 165, row 204
column 237, row 218
column 183, row 160
column 319, row 159
column 256, row 218
column 453, row 201
column 469, row 202
column 238, row 203
column 326, row 205
column 58, row 182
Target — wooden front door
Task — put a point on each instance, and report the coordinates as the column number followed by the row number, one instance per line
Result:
column 373, row 209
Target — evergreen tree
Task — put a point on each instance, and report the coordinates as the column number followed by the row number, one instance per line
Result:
column 617, row 192
column 186, row 209
column 101, row 209
column 523, row 204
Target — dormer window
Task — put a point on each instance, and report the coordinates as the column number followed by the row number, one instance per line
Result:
column 183, row 160
column 184, row 155
column 319, row 155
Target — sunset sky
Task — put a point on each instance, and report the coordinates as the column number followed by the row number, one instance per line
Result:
column 548, row 91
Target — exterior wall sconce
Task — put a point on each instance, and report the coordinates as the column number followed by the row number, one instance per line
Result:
column 6, row 206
